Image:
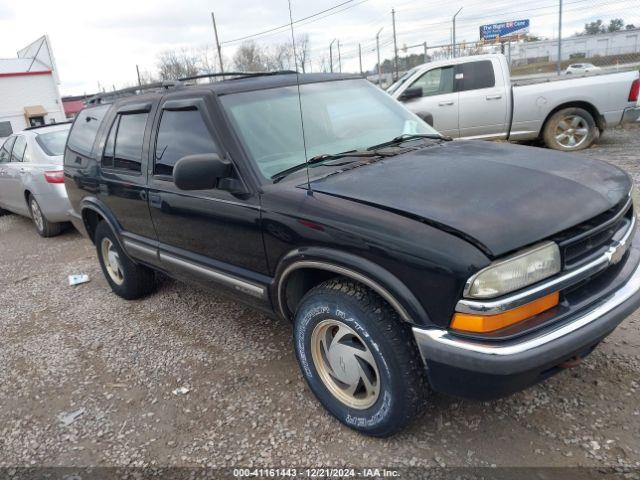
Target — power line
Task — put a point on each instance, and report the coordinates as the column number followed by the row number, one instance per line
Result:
column 288, row 25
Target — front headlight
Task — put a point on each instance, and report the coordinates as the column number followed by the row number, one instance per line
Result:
column 524, row 268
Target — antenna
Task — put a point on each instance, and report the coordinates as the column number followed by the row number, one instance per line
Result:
column 295, row 58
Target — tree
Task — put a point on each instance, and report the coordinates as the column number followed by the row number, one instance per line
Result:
column 302, row 52
column 175, row 64
column 250, row 58
column 615, row 25
column 631, row 26
column 594, row 28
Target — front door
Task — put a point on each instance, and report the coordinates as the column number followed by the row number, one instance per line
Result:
column 5, row 158
column 439, row 101
column 212, row 236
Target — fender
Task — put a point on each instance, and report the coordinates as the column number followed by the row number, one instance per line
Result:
column 387, row 285
column 92, row 203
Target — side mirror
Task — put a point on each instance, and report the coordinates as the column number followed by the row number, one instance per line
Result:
column 412, row 92
column 200, row 172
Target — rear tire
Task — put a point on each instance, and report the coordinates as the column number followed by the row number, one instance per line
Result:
column 44, row 227
column 570, row 129
column 359, row 359
column 127, row 279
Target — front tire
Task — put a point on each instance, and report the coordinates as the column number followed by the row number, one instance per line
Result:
column 44, row 227
column 358, row 358
column 127, row 279
column 570, row 130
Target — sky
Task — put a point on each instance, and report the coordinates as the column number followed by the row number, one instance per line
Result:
column 102, row 42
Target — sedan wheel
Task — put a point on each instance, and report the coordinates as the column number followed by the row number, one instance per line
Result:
column 36, row 213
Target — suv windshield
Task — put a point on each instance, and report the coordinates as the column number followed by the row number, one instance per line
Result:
column 338, row 117
column 52, row 143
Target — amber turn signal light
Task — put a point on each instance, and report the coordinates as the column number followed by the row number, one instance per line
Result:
column 488, row 323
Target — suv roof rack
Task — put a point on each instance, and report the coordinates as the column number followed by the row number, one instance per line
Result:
column 238, row 75
column 47, row 125
column 125, row 92
column 107, row 97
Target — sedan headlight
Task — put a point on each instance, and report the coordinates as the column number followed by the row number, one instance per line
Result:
column 515, row 272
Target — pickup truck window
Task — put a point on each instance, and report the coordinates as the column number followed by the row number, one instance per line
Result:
column 476, row 75
column 123, row 150
column 181, row 133
column 353, row 116
column 85, row 128
column 435, row 82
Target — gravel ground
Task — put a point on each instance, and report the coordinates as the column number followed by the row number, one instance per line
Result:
column 87, row 379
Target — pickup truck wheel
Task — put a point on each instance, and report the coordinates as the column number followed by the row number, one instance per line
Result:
column 358, row 358
column 44, row 227
column 126, row 278
column 570, row 130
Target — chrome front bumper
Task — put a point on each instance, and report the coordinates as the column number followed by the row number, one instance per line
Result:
column 538, row 349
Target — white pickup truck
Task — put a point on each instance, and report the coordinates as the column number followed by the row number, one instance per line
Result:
column 473, row 97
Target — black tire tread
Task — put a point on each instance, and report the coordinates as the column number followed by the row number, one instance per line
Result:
column 49, row 229
column 139, row 280
column 547, row 133
column 398, row 334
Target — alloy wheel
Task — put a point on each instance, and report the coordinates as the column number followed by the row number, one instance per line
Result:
column 345, row 364
column 111, row 260
column 36, row 214
column 572, row 131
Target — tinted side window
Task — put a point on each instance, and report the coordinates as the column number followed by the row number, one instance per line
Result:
column 181, row 133
column 84, row 130
column 435, row 82
column 18, row 149
column 5, row 151
column 476, row 75
column 109, row 148
column 129, row 139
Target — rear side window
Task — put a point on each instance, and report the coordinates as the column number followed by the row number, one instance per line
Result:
column 476, row 75
column 84, row 130
column 181, row 133
column 5, row 151
column 18, row 149
column 123, row 150
column 52, row 143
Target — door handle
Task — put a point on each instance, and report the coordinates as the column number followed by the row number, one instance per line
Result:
column 493, row 97
column 445, row 104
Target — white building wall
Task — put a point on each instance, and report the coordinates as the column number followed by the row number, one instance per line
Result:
column 18, row 92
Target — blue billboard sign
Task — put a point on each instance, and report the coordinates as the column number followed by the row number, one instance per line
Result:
column 505, row 29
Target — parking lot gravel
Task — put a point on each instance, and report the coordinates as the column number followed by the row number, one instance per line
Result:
column 186, row 377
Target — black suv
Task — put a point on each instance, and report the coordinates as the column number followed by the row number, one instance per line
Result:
column 321, row 200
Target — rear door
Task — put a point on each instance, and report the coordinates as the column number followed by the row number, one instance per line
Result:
column 482, row 98
column 12, row 184
column 439, row 100
column 212, row 236
column 5, row 158
column 123, row 162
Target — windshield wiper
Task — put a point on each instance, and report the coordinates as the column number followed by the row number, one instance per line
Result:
column 322, row 158
column 410, row 136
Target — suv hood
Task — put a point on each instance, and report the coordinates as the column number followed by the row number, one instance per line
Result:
column 503, row 197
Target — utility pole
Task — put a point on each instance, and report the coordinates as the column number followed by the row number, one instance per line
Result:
column 339, row 58
column 138, row 71
column 360, row 56
column 219, row 48
column 453, row 34
column 379, row 66
column 426, row 54
column 395, row 45
column 331, row 55
column 559, row 64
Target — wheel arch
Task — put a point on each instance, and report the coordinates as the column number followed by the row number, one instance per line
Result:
column 92, row 212
column 303, row 269
column 589, row 107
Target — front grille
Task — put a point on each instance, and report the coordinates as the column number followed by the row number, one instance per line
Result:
column 592, row 238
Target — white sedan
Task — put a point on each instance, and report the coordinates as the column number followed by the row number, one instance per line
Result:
column 581, row 68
